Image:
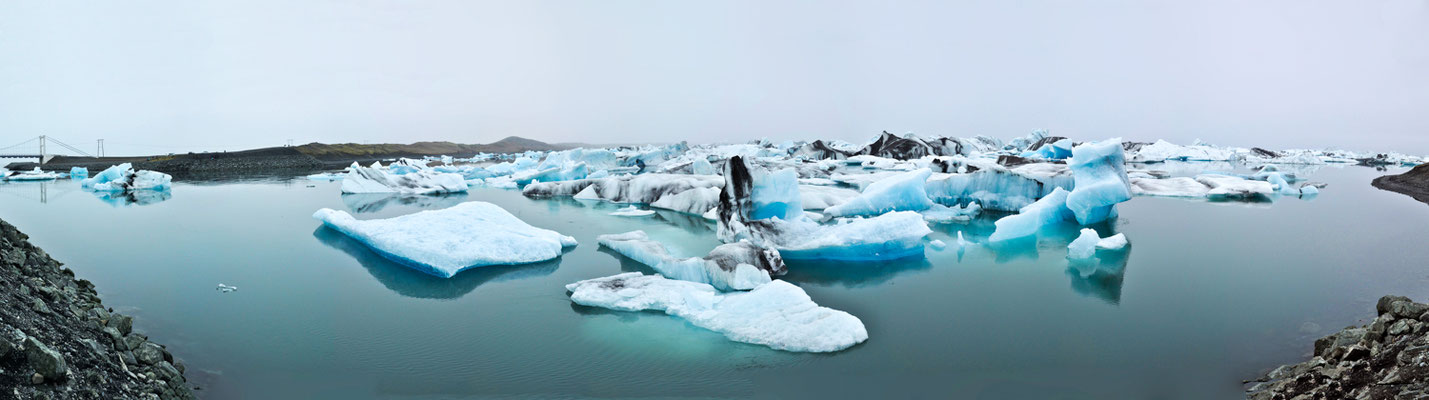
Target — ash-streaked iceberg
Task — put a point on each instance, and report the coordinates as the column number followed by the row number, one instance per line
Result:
column 444, row 242
column 420, row 181
column 777, row 314
column 123, row 178
column 732, row 266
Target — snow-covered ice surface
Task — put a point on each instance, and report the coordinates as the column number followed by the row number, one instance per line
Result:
column 444, row 242
column 777, row 314
column 902, row 192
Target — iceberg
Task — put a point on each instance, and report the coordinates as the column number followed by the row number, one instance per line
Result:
column 78, row 172
column 775, row 195
column 1099, row 173
column 939, row 213
column 444, row 242
column 818, row 197
column 732, row 266
column 1169, row 187
column 423, row 181
column 1113, row 242
column 904, row 192
column 777, row 314
column 1047, row 211
column 642, row 189
column 1226, row 187
column 889, row 236
column 632, row 211
column 696, row 201
column 1085, row 246
column 997, row 187
column 35, row 175
column 123, row 178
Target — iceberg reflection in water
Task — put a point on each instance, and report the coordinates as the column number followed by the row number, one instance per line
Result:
column 408, row 282
column 1101, row 276
column 137, row 197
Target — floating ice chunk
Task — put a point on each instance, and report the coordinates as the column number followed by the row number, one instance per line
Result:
column 1085, row 246
column 1235, row 188
column 694, row 201
column 775, row 195
column 78, row 172
column 822, row 197
column 1278, row 182
column 444, row 242
column 1309, row 191
column 123, row 178
column 962, row 242
column 996, row 187
column 425, row 181
column 777, row 314
column 632, row 211
column 1113, row 242
column 1169, row 187
column 222, row 288
column 555, row 174
column 889, row 236
column 327, row 176
column 733, row 266
column 904, row 192
column 36, row 175
column 1099, row 170
column 939, row 213
column 938, row 244
column 643, row 188
column 1047, row 211
column 701, row 166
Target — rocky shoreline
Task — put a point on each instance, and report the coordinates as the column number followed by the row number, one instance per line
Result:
column 1414, row 183
column 1386, row 359
column 58, row 341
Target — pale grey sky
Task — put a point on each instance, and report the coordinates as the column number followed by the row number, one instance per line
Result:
column 180, row 75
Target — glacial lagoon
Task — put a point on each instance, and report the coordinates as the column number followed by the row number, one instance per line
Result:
column 1210, row 294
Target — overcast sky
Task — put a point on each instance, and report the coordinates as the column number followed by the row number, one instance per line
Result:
column 162, row 76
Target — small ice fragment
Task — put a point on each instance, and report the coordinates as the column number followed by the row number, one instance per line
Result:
column 632, row 211
column 1085, row 246
column 938, row 244
column 1113, row 242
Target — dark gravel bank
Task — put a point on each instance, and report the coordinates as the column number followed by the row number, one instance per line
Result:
column 58, row 341
column 1414, row 183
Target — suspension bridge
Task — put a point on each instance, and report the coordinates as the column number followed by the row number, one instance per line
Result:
column 37, row 148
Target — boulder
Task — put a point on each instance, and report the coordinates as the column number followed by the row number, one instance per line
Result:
column 45, row 361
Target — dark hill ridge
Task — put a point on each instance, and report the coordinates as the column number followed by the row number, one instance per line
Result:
column 288, row 161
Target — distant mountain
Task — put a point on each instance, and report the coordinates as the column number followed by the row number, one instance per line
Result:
column 354, row 151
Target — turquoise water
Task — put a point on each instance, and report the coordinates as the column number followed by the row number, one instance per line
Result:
column 1210, row 294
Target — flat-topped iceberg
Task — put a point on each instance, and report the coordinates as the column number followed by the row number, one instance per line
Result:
column 444, row 242
column 417, row 181
column 732, row 266
column 777, row 314
column 36, row 175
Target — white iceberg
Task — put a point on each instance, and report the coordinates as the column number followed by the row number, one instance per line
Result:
column 632, row 211
column 422, row 181
column 36, row 175
column 1113, row 242
column 819, row 197
column 444, row 242
column 939, row 213
column 777, row 314
column 904, row 192
column 733, row 266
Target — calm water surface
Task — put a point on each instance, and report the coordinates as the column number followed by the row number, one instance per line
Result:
column 1210, row 294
